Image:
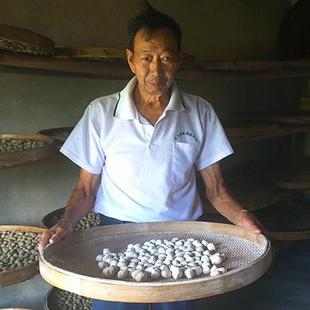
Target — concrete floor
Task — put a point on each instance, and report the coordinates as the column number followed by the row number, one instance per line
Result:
column 284, row 287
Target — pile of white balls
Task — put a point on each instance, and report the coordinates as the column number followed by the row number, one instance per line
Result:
column 162, row 259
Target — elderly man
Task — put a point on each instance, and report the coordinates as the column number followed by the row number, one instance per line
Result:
column 139, row 148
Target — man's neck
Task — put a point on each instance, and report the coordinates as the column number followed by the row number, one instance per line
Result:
column 150, row 106
column 143, row 99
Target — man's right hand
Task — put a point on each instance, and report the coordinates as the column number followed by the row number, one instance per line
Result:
column 56, row 233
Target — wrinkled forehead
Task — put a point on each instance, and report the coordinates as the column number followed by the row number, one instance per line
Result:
column 162, row 38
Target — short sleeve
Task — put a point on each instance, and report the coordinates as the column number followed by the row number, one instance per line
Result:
column 215, row 145
column 83, row 145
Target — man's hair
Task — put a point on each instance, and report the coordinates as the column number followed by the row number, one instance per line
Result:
column 151, row 20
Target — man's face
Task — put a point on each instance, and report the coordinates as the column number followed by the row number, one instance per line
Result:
column 154, row 60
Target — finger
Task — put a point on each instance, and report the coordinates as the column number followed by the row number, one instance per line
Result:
column 44, row 240
column 250, row 222
column 261, row 227
column 59, row 235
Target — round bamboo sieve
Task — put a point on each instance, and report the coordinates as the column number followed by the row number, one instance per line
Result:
column 20, row 40
column 60, row 133
column 19, row 157
column 55, row 300
column 23, row 273
column 247, row 257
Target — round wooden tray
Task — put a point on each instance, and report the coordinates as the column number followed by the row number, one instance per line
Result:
column 248, row 256
column 20, row 157
column 60, row 133
column 20, row 40
column 53, row 301
column 23, row 273
column 53, row 217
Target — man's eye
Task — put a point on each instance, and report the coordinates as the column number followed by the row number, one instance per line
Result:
column 145, row 59
column 167, row 58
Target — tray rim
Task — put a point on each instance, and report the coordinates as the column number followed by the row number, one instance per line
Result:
column 158, row 291
column 52, row 132
column 27, row 37
column 9, row 159
column 20, row 274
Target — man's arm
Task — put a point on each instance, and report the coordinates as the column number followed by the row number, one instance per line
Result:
column 224, row 203
column 78, row 205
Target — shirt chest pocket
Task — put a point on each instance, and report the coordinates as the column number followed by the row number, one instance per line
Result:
column 183, row 159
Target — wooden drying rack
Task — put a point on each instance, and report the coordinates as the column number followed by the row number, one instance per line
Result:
column 192, row 70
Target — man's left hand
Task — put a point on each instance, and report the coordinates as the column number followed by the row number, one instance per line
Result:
column 248, row 221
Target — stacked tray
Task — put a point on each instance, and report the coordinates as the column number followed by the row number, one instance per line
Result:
column 247, row 257
column 20, row 40
column 13, row 243
column 59, row 134
column 90, row 220
column 58, row 299
column 19, row 149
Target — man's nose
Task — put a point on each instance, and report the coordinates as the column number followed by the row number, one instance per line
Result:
column 156, row 67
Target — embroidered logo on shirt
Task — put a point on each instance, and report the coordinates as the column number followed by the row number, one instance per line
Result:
column 182, row 134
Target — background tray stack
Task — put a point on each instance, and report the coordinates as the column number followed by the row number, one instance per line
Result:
column 26, row 271
column 19, row 149
column 18, row 40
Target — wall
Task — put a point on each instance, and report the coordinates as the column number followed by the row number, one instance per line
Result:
column 29, row 102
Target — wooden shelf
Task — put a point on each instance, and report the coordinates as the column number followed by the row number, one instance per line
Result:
column 192, row 70
column 276, row 133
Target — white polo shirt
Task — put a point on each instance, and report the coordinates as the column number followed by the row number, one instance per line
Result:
column 147, row 172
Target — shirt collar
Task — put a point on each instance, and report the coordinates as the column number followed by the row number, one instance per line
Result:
column 125, row 107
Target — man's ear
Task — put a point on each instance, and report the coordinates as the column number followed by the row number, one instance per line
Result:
column 129, row 54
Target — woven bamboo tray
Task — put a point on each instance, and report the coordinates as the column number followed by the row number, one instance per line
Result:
column 20, row 40
column 55, row 300
column 23, row 273
column 55, row 216
column 60, row 133
column 23, row 156
column 248, row 256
